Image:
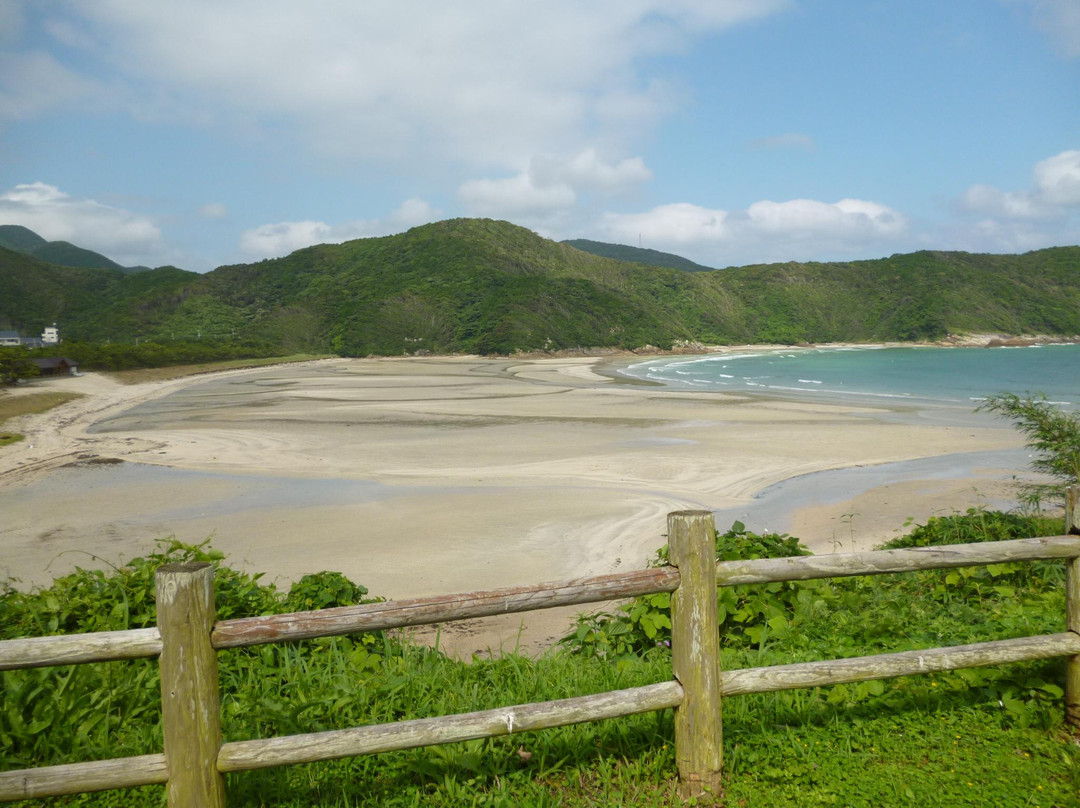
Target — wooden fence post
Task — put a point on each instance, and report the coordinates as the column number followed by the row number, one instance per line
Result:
column 695, row 653
column 190, row 701
column 1072, row 610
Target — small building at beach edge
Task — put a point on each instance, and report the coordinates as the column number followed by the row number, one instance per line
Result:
column 56, row 366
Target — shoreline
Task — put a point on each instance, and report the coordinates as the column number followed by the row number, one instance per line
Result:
column 490, row 472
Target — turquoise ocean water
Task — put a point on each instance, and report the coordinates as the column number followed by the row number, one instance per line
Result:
column 958, row 377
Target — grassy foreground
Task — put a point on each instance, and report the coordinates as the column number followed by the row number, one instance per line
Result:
column 981, row 737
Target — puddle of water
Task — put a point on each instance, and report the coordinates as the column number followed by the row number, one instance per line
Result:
column 775, row 506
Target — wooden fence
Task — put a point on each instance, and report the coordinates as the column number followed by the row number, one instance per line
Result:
column 187, row 638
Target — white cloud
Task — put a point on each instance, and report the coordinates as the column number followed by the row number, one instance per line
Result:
column 126, row 237
column 1059, row 20
column 515, row 196
column 551, row 185
column 1046, row 214
column 588, row 171
column 790, row 141
column 212, row 210
column 1055, row 190
column 34, row 83
column 488, row 82
column 674, row 224
column 282, row 238
column 766, row 230
column 12, row 21
column 848, row 219
column 1057, row 179
column 985, row 199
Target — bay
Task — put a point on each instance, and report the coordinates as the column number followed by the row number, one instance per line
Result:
column 949, row 377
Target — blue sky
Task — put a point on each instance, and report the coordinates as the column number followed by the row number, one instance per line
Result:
column 207, row 132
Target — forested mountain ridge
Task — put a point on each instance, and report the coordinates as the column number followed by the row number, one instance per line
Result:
column 636, row 255
column 88, row 303
column 62, row 253
column 477, row 285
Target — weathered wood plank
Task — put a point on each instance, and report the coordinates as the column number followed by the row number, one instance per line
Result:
column 1072, row 623
column 190, row 701
column 423, row 611
column 74, row 649
column 77, row 778
column 695, row 653
column 1072, row 509
column 287, row 750
column 883, row 666
column 880, row 562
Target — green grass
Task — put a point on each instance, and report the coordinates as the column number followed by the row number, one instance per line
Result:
column 990, row 736
column 30, row 404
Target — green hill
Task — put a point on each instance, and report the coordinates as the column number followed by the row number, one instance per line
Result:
column 20, row 239
column 636, row 255
column 66, row 254
column 477, row 285
column 87, row 303
column 62, row 253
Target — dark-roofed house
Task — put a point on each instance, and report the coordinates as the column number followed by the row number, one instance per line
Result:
column 10, row 338
column 57, row 366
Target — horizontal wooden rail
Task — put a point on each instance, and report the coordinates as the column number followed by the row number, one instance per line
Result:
column 286, row 750
column 76, row 778
column 422, row 611
column 74, row 649
column 70, row 649
column 884, row 666
column 882, row 562
column 54, row 781
column 138, row 643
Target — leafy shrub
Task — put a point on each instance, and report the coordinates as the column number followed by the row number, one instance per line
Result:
column 836, row 618
column 323, row 590
column 975, row 525
column 747, row 613
column 113, row 709
column 1054, row 435
column 979, row 525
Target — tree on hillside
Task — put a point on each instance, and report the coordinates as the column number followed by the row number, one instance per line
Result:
column 1054, row 435
column 15, row 366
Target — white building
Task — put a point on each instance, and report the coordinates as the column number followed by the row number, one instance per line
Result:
column 50, row 336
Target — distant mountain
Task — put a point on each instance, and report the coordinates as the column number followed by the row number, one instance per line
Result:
column 20, row 239
column 88, row 303
column 62, row 253
column 637, row 255
column 483, row 286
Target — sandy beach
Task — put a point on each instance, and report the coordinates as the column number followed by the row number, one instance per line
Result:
column 422, row 476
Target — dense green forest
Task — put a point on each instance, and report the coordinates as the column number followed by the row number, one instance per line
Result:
column 483, row 286
column 636, row 255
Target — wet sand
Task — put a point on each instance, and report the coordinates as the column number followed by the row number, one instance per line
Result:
column 436, row 475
